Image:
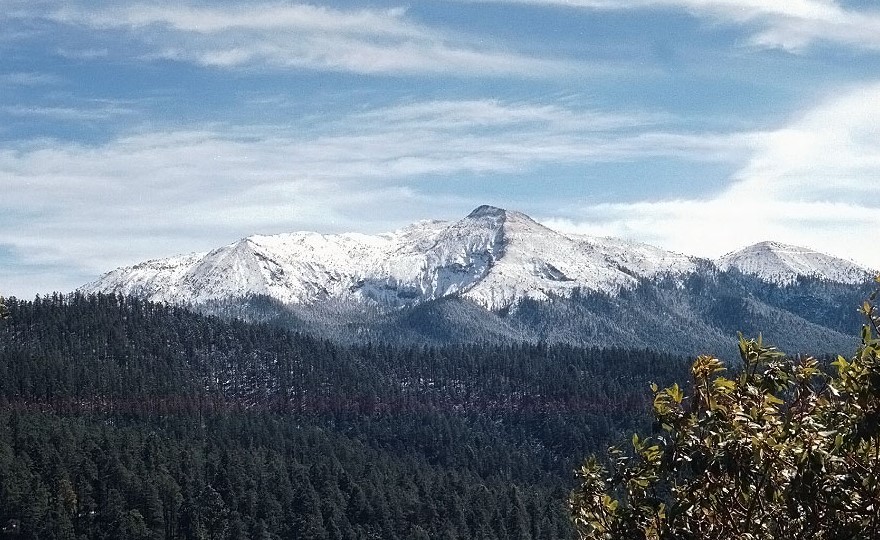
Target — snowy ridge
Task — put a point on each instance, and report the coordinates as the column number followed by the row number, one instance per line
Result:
column 493, row 257
column 783, row 263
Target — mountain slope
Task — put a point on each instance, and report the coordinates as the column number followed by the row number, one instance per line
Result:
column 700, row 315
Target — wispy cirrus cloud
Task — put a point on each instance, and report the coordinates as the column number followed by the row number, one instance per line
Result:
column 487, row 113
column 28, row 79
column 297, row 36
column 83, row 54
column 93, row 111
column 790, row 24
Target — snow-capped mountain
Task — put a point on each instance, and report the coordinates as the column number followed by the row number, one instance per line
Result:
column 493, row 257
column 782, row 263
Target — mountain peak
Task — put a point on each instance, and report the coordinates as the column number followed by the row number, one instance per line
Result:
column 486, row 210
column 777, row 247
column 784, row 263
column 509, row 220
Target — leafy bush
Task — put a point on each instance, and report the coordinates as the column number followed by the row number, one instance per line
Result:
column 783, row 448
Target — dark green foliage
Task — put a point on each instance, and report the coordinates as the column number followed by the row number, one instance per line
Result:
column 126, row 419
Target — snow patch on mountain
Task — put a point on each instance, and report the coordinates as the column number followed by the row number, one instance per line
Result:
column 637, row 258
column 783, row 263
column 494, row 257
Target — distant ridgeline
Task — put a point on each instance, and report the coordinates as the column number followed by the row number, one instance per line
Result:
column 121, row 418
column 498, row 276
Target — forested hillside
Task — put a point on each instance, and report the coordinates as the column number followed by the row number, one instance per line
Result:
column 688, row 316
column 126, row 419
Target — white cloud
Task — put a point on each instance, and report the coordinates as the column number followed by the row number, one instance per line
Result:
column 207, row 20
column 813, row 182
column 788, row 24
column 831, row 153
column 303, row 36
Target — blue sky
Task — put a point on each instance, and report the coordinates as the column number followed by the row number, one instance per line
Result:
column 138, row 130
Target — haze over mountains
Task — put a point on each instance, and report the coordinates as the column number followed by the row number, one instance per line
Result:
column 498, row 274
